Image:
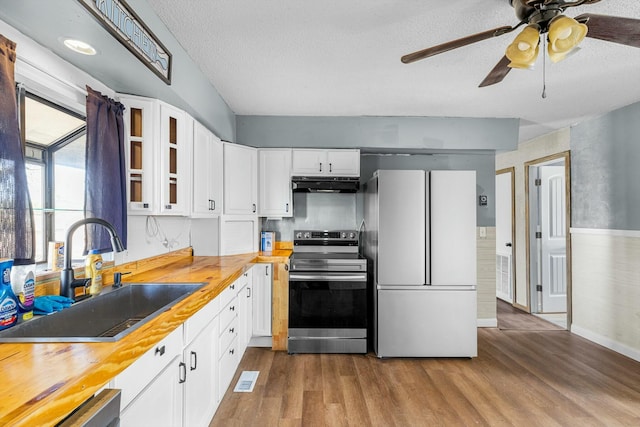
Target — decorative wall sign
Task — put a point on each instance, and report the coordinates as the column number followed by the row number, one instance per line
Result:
column 123, row 23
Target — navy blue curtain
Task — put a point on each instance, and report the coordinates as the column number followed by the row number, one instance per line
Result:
column 17, row 237
column 105, row 190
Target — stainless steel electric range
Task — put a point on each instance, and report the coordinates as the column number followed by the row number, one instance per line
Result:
column 327, row 293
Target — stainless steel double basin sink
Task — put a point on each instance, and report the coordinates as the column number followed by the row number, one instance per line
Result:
column 103, row 318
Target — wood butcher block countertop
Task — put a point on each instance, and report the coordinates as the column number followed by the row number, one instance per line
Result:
column 42, row 383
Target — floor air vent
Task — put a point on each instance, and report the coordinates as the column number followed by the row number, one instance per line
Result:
column 246, row 382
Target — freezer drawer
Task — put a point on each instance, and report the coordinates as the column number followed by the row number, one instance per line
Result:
column 426, row 323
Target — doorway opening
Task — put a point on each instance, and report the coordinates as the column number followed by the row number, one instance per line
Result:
column 505, row 235
column 548, row 242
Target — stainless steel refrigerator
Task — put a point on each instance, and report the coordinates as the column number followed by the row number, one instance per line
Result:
column 420, row 238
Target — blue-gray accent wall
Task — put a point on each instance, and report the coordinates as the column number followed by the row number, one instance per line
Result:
column 605, row 171
column 393, row 133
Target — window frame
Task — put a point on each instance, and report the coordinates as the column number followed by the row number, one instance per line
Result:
column 46, row 159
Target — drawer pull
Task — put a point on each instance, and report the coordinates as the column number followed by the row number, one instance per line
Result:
column 183, row 373
column 232, row 308
column 231, row 351
column 160, row 350
column 232, row 330
column 194, row 361
column 232, row 286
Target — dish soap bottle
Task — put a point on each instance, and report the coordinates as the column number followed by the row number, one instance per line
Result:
column 93, row 270
column 8, row 305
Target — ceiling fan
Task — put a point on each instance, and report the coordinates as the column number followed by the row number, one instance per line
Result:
column 543, row 17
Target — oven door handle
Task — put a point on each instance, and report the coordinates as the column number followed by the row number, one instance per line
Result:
column 296, row 277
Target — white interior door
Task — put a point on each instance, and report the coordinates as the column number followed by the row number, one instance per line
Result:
column 504, row 236
column 553, row 247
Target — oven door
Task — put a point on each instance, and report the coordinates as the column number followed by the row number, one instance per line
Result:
column 326, row 304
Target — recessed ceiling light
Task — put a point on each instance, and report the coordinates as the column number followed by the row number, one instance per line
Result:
column 80, row 46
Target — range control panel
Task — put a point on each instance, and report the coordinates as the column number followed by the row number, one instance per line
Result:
column 325, row 235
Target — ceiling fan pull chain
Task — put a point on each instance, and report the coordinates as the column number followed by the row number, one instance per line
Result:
column 544, row 67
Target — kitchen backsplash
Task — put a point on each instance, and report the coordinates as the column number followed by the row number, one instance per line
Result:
column 316, row 211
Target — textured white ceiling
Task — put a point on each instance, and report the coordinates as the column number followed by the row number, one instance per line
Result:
column 342, row 58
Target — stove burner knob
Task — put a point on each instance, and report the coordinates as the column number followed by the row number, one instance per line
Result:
column 343, row 235
column 352, row 235
column 298, row 235
column 307, row 235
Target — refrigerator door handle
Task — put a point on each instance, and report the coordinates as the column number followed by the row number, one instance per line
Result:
column 425, row 288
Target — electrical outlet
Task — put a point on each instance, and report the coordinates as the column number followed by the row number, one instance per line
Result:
column 483, row 200
column 483, row 232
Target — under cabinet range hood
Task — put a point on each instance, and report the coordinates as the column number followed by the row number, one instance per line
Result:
column 325, row 184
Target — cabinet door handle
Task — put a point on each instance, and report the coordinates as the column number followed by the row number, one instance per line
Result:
column 214, row 205
column 248, row 292
column 160, row 350
column 330, row 167
column 232, row 308
column 320, row 167
column 233, row 286
column 266, row 270
column 194, row 361
column 286, row 209
column 183, row 373
column 231, row 351
column 232, row 330
column 254, row 208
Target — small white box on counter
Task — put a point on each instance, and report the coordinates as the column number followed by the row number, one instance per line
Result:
column 266, row 241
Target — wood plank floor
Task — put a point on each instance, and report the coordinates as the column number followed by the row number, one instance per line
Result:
column 510, row 317
column 520, row 378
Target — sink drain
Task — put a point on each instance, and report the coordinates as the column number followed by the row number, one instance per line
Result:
column 121, row 327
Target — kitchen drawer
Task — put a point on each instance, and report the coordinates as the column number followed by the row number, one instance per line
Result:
column 196, row 323
column 227, row 367
column 228, row 294
column 139, row 374
column 228, row 313
column 228, row 334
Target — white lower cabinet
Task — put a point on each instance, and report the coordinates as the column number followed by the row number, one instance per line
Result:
column 160, row 404
column 175, row 383
column 183, row 378
column 245, row 312
column 151, row 392
column 201, row 395
column 262, row 300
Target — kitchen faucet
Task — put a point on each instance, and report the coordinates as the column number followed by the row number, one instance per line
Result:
column 67, row 280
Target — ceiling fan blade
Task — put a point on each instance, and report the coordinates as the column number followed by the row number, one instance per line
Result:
column 425, row 53
column 498, row 73
column 612, row 28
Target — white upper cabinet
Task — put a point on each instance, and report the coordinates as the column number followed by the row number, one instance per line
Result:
column 312, row 162
column 240, row 179
column 275, row 197
column 158, row 157
column 139, row 147
column 207, row 173
column 174, row 162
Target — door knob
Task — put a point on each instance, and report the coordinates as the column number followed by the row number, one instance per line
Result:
column 508, row 244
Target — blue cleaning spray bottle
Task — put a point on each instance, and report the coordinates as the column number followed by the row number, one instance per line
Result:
column 8, row 304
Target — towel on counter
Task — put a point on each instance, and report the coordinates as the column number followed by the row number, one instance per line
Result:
column 50, row 303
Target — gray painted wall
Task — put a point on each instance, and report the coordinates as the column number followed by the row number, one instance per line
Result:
column 483, row 164
column 393, row 133
column 605, row 154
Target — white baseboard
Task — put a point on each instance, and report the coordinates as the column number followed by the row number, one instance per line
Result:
column 624, row 349
column 488, row 323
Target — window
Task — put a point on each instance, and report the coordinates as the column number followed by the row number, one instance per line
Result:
column 55, row 140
